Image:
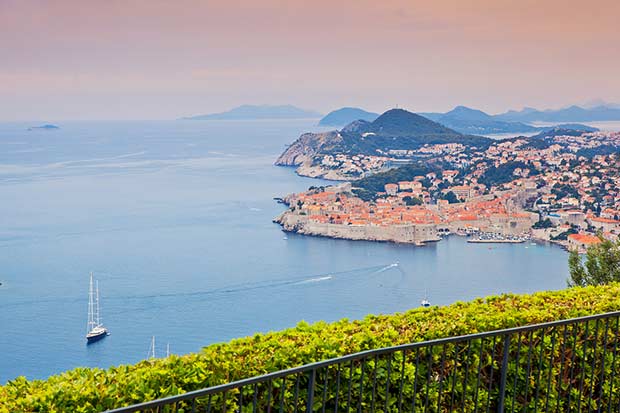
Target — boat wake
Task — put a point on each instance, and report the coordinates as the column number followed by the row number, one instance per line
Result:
column 360, row 274
column 387, row 267
column 296, row 282
column 315, row 280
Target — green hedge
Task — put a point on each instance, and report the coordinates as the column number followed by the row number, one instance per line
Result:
column 91, row 390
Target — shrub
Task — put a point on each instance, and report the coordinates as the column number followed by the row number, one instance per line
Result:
column 90, row 390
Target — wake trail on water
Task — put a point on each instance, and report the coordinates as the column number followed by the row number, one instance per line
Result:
column 302, row 281
column 266, row 284
column 218, row 293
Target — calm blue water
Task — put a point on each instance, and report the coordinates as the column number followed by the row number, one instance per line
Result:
column 175, row 218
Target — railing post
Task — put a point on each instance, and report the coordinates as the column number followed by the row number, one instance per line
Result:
column 311, row 381
column 504, row 371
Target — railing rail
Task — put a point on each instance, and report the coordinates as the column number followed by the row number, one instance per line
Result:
column 563, row 365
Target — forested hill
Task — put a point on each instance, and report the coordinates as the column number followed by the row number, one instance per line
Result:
column 399, row 129
column 396, row 129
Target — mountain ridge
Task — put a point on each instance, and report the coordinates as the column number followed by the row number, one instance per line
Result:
column 257, row 112
column 473, row 121
column 572, row 113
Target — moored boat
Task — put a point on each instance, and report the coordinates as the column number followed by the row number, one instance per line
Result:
column 95, row 330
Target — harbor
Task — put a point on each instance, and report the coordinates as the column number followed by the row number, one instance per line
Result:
column 494, row 238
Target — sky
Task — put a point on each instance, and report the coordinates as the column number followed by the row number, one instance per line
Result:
column 153, row 59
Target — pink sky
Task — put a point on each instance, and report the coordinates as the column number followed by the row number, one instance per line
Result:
column 151, row 59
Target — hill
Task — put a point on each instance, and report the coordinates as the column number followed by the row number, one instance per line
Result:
column 94, row 390
column 399, row 122
column 345, row 116
column 255, row 112
column 396, row 129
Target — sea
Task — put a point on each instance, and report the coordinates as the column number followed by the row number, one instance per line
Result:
column 174, row 219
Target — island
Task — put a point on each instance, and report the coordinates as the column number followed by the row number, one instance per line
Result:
column 344, row 116
column 258, row 112
column 604, row 112
column 44, row 127
column 466, row 120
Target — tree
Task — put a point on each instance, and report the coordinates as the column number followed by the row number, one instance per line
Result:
column 601, row 264
column 546, row 223
column 451, row 197
column 409, row 200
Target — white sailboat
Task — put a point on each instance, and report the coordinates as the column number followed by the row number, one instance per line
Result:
column 425, row 302
column 95, row 330
column 151, row 354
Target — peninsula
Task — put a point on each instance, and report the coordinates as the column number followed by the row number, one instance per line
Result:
column 561, row 186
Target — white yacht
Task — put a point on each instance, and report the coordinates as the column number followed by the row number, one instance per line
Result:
column 96, row 330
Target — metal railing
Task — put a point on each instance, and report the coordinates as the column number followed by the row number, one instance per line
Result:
column 561, row 366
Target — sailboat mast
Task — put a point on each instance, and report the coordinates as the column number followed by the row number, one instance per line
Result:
column 97, row 301
column 152, row 355
column 91, row 320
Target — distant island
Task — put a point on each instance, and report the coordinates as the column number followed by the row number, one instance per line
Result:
column 573, row 113
column 461, row 119
column 44, row 127
column 344, row 116
column 466, row 120
column 257, row 112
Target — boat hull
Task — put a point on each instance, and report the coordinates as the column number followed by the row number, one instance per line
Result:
column 91, row 338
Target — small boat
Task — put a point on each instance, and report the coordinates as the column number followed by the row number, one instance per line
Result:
column 425, row 302
column 151, row 354
column 95, row 331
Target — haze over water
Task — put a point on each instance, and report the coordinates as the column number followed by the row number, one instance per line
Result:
column 174, row 218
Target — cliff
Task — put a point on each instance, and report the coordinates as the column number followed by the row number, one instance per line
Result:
column 307, row 146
